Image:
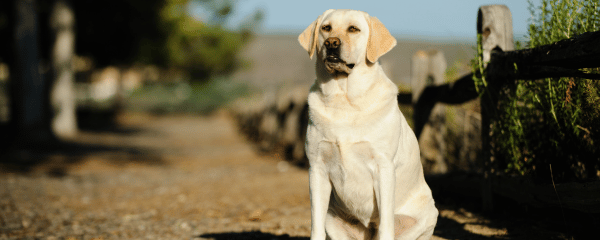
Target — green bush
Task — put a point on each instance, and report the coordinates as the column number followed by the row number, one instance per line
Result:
column 555, row 121
column 205, row 48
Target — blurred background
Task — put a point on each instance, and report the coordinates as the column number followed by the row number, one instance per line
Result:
column 171, row 119
column 70, row 65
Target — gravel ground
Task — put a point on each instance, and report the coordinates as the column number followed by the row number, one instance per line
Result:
column 179, row 177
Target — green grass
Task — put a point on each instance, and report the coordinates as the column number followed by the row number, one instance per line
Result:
column 195, row 97
column 556, row 120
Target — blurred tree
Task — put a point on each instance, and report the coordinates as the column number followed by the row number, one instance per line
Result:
column 112, row 32
column 120, row 32
column 162, row 32
column 205, row 47
column 29, row 115
column 6, row 29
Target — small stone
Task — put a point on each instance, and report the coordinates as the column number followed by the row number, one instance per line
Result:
column 185, row 226
column 283, row 166
column 255, row 216
column 26, row 223
column 181, row 198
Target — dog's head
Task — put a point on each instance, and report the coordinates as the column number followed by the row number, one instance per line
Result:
column 344, row 39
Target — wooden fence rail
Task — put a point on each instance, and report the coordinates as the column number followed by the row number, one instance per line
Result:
column 560, row 59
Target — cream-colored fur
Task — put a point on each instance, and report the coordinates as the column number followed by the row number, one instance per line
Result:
column 366, row 178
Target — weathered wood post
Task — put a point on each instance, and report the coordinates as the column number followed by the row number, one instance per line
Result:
column 62, row 95
column 494, row 23
column 428, row 69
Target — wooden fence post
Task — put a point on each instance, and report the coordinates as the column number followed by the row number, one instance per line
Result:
column 62, row 95
column 494, row 23
column 428, row 69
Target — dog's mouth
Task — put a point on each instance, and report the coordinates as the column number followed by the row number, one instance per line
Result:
column 333, row 58
column 337, row 59
column 333, row 64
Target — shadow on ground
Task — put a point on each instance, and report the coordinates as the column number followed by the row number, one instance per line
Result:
column 254, row 235
column 461, row 192
column 56, row 157
column 450, row 229
column 103, row 121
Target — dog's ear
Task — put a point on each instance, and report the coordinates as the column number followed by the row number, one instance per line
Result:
column 308, row 38
column 380, row 40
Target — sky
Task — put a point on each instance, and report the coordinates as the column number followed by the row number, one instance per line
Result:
column 424, row 18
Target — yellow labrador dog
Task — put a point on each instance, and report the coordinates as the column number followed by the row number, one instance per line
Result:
column 366, row 177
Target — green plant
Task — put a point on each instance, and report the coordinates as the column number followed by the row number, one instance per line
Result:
column 556, row 120
column 205, row 48
column 453, row 72
column 477, row 68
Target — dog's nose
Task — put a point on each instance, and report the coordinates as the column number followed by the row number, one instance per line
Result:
column 332, row 42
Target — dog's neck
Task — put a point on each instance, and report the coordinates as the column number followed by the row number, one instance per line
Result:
column 364, row 79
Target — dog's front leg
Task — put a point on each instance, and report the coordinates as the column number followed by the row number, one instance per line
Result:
column 320, row 191
column 385, row 181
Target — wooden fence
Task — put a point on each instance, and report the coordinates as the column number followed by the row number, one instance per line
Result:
column 278, row 121
column 561, row 59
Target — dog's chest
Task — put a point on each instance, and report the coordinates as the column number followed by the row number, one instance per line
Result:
column 351, row 169
column 339, row 114
column 333, row 106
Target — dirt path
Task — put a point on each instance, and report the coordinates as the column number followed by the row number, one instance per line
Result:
column 176, row 177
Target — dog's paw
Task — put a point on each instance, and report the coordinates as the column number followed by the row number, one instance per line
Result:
column 402, row 223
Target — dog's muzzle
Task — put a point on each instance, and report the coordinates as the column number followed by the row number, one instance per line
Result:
column 333, row 62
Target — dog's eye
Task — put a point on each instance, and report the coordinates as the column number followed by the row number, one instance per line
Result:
column 326, row 28
column 353, row 29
